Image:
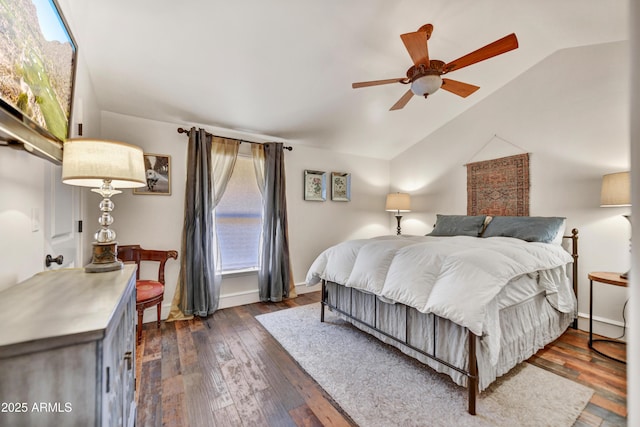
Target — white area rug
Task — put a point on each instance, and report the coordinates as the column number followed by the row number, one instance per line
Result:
column 379, row 386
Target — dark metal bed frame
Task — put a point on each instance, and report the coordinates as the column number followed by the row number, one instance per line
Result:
column 472, row 373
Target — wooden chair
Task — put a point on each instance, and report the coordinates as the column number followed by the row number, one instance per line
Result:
column 148, row 292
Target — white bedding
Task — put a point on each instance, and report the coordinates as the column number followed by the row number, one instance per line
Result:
column 457, row 278
column 519, row 290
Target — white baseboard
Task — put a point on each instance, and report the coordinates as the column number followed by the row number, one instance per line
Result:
column 602, row 326
column 227, row 300
column 302, row 288
column 250, row 297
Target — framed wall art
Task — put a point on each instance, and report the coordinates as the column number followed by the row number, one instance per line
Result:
column 158, row 171
column 315, row 185
column 340, row 186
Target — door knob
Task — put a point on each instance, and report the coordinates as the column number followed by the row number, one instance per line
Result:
column 49, row 259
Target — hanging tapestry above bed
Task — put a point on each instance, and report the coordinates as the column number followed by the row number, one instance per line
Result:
column 499, row 186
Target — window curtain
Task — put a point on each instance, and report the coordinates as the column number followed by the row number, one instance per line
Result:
column 210, row 162
column 275, row 279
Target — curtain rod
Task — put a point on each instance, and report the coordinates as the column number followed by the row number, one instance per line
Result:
column 182, row 130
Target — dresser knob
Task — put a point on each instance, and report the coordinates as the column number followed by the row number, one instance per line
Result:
column 128, row 356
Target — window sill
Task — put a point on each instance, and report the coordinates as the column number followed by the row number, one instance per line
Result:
column 239, row 273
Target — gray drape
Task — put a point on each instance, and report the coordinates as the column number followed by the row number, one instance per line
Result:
column 275, row 281
column 199, row 289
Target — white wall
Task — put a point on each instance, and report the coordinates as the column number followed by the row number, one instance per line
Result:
column 633, row 352
column 21, row 190
column 156, row 221
column 22, row 196
column 573, row 118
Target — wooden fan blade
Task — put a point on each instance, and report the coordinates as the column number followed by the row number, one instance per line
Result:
column 458, row 88
column 416, row 44
column 496, row 48
column 402, row 101
column 376, row 82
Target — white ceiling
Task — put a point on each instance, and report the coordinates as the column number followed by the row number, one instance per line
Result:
column 284, row 68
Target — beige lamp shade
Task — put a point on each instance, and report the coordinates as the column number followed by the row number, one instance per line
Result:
column 88, row 162
column 616, row 190
column 398, row 202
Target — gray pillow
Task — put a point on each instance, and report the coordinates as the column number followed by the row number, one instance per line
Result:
column 527, row 228
column 458, row 225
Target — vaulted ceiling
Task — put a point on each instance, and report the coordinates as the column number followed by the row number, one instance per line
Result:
column 284, row 68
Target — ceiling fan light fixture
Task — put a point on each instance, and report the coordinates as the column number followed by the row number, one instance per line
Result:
column 426, row 85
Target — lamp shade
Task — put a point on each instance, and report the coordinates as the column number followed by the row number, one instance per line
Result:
column 88, row 162
column 616, row 190
column 426, row 85
column 398, row 202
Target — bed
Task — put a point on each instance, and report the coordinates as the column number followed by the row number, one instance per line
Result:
column 472, row 299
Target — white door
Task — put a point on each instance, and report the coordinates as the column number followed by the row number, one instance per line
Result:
column 60, row 218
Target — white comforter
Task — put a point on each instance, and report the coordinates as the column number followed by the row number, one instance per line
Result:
column 456, row 278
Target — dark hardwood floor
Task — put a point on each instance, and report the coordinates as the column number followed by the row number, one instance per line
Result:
column 228, row 371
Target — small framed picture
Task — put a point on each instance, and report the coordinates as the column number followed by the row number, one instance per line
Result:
column 315, row 185
column 158, row 171
column 340, row 186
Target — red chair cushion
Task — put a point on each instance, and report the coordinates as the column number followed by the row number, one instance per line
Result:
column 147, row 289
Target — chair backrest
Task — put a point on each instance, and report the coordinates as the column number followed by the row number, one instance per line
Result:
column 134, row 253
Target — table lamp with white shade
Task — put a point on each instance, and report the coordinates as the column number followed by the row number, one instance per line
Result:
column 398, row 202
column 106, row 166
column 616, row 192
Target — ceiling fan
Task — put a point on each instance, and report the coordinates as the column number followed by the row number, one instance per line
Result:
column 425, row 74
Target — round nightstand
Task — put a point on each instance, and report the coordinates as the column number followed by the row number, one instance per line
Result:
column 610, row 279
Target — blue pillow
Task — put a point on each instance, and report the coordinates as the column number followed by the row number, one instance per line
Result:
column 458, row 225
column 527, row 228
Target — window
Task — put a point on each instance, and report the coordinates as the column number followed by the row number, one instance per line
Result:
column 239, row 219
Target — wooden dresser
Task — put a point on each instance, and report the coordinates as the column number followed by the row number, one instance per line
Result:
column 67, row 349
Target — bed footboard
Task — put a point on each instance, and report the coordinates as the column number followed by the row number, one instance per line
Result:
column 471, row 373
